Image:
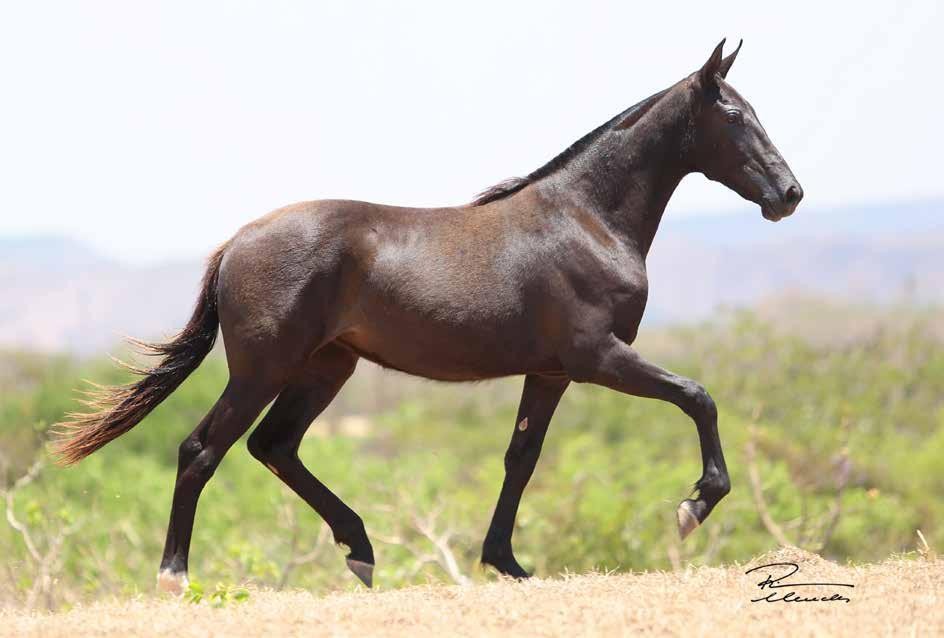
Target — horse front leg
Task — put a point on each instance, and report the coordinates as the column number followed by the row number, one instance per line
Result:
column 613, row 364
column 538, row 402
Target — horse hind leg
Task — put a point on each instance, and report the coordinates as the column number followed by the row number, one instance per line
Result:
column 199, row 456
column 275, row 443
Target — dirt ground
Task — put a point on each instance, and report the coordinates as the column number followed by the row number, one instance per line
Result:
column 894, row 598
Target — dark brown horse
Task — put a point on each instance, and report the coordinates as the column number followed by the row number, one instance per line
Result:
column 543, row 276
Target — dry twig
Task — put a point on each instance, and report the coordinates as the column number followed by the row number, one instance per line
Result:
column 427, row 527
column 296, row 558
column 757, row 491
column 45, row 562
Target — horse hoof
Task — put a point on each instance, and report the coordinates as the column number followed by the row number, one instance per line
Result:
column 364, row 571
column 507, row 566
column 687, row 521
column 169, row 582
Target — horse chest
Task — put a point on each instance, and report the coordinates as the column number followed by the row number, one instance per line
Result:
column 625, row 297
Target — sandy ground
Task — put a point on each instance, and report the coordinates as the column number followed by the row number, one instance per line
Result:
column 895, row 598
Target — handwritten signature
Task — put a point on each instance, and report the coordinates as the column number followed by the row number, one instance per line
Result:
column 791, row 596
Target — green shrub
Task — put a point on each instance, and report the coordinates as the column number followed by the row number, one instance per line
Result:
column 858, row 427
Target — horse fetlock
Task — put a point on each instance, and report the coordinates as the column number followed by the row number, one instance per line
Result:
column 691, row 513
column 354, row 537
column 495, row 552
column 713, row 487
column 501, row 557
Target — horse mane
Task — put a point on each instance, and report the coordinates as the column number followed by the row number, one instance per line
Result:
column 512, row 185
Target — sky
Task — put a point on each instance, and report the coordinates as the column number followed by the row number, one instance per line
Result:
column 153, row 131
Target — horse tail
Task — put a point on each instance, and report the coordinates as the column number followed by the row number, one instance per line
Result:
column 113, row 410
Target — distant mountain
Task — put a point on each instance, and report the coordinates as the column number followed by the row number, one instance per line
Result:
column 58, row 294
column 53, row 252
column 876, row 254
column 863, row 222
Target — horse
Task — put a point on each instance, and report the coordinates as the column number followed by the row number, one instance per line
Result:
column 542, row 276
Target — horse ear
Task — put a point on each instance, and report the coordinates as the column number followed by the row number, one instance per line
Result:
column 728, row 61
column 711, row 68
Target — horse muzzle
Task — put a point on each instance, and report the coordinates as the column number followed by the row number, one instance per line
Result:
column 775, row 210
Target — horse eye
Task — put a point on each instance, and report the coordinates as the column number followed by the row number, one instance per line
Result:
column 735, row 116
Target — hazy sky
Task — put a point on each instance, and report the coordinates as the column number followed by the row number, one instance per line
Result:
column 154, row 130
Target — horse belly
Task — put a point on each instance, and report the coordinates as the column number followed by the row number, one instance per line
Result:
column 438, row 348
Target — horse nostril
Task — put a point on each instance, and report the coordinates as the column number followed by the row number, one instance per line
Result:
column 793, row 195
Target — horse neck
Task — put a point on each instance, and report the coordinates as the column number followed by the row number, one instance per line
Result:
column 628, row 176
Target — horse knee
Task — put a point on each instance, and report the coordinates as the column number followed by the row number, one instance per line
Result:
column 698, row 404
column 512, row 458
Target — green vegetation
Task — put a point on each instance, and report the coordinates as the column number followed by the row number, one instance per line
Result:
column 219, row 597
column 844, row 443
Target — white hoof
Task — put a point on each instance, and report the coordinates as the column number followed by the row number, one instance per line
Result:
column 169, row 582
column 687, row 522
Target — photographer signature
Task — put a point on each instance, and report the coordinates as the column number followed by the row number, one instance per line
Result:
column 792, row 596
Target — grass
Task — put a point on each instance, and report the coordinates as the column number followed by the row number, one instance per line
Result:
column 833, row 445
column 893, row 598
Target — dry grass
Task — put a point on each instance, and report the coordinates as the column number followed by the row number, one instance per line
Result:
column 898, row 597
